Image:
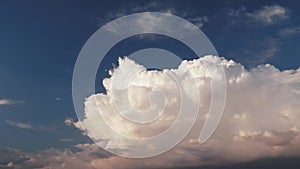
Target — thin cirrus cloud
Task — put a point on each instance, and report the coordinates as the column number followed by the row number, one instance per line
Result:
column 21, row 125
column 29, row 126
column 267, row 15
column 199, row 21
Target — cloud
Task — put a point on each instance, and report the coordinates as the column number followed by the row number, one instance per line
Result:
column 261, row 120
column 146, row 7
column 289, row 31
column 66, row 139
column 152, row 7
column 255, row 48
column 258, row 52
column 9, row 102
column 198, row 21
column 267, row 15
column 261, row 117
column 21, row 125
column 5, row 102
column 91, row 157
column 270, row 14
column 238, row 12
column 151, row 22
column 69, row 121
column 58, row 99
column 29, row 126
column 53, row 158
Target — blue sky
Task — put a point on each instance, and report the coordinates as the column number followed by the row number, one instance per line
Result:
column 40, row 42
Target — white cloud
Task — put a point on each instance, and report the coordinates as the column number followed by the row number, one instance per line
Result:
column 9, row 102
column 21, row 125
column 261, row 117
column 152, row 7
column 270, row 14
column 150, row 22
column 261, row 120
column 29, row 126
column 267, row 15
column 5, row 102
column 69, row 121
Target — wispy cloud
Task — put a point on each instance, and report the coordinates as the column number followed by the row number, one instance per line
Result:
column 289, row 31
column 154, row 7
column 266, row 15
column 198, row 21
column 29, row 126
column 21, row 125
column 66, row 139
column 9, row 102
column 270, row 14
column 258, row 48
column 258, row 51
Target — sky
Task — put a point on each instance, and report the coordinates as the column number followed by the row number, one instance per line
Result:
column 257, row 43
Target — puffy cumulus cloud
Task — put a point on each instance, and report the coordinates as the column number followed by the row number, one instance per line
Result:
column 261, row 119
column 69, row 121
column 261, row 116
